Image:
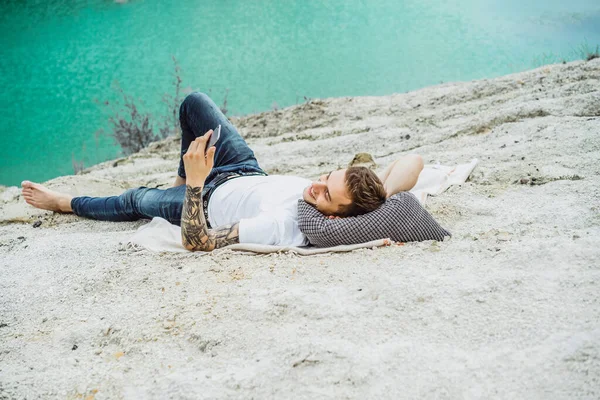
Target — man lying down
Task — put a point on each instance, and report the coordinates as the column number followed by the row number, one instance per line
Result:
column 221, row 196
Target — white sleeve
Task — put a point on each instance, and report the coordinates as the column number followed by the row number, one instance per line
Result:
column 272, row 228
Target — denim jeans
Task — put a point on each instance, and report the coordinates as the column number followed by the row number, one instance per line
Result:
column 197, row 115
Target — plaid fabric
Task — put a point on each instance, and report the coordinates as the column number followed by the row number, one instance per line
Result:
column 401, row 218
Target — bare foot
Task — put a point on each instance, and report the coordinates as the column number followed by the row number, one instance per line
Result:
column 41, row 197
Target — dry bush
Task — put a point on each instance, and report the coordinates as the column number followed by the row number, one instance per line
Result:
column 134, row 129
column 78, row 165
column 170, row 124
column 587, row 52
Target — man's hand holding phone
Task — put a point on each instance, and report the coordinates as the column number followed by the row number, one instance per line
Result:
column 200, row 158
column 214, row 138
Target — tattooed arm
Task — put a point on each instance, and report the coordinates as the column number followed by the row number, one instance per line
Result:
column 195, row 235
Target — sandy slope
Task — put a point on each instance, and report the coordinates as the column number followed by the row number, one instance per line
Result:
column 508, row 308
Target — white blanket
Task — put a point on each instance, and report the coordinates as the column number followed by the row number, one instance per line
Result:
column 160, row 236
column 435, row 179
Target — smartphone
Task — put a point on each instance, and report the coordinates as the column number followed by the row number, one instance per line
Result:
column 214, row 137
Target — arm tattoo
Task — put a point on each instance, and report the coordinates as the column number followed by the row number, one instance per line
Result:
column 195, row 235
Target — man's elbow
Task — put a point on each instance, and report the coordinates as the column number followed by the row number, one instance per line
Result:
column 416, row 166
column 417, row 162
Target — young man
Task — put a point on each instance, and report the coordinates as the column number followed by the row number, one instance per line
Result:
column 221, row 196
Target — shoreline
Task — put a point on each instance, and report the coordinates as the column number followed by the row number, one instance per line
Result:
column 244, row 117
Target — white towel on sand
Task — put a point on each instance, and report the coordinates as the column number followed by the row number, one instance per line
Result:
column 435, row 179
column 161, row 236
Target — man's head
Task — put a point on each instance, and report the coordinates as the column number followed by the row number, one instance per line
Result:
column 346, row 192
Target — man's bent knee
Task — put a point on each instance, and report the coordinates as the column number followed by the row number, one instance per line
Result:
column 195, row 99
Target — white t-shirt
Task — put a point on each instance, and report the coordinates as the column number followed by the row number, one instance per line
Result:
column 265, row 206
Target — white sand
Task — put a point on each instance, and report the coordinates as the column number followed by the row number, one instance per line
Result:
column 508, row 308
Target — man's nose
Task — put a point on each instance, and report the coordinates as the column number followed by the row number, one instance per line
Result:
column 318, row 186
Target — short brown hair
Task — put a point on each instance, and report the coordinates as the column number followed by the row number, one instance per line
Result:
column 366, row 192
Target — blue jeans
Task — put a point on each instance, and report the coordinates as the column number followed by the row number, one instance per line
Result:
column 197, row 115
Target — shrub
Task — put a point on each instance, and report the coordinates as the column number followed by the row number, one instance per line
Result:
column 133, row 129
column 584, row 52
column 591, row 55
column 171, row 123
column 78, row 165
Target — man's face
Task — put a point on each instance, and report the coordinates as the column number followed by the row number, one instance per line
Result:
column 328, row 193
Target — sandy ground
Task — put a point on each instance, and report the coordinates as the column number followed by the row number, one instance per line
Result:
column 508, row 308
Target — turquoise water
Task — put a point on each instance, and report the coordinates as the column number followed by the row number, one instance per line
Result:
column 58, row 56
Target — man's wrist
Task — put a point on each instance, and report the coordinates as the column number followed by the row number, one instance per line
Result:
column 195, row 183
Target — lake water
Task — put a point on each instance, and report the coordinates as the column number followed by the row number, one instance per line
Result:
column 59, row 56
